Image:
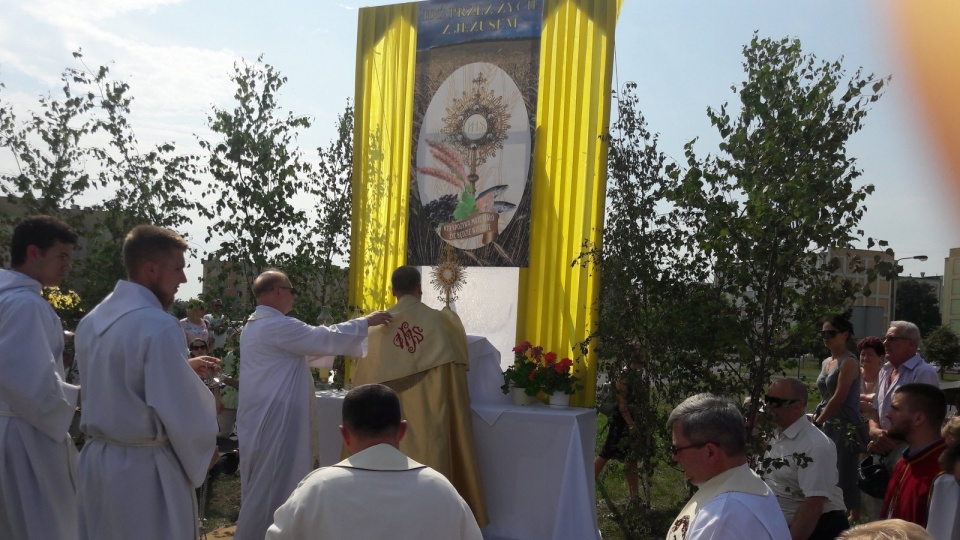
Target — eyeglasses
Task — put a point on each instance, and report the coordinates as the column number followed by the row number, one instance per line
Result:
column 893, row 338
column 828, row 334
column 292, row 290
column 197, row 347
column 774, row 401
column 675, row 450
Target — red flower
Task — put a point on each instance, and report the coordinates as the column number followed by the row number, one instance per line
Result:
column 561, row 369
column 522, row 347
column 550, row 358
column 537, row 351
column 532, row 374
column 566, row 363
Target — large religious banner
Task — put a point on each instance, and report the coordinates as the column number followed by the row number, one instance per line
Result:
column 474, row 118
column 409, row 87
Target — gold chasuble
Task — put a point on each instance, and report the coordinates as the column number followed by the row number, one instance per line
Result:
column 422, row 356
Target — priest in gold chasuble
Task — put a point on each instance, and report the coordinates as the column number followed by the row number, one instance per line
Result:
column 422, row 356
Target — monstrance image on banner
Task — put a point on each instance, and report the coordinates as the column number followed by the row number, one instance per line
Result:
column 473, row 156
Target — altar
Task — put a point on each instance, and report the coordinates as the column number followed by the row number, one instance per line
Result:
column 536, row 462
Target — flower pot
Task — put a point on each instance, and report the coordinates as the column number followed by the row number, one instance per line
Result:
column 560, row 400
column 521, row 398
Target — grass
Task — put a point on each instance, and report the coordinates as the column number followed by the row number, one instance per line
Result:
column 225, row 504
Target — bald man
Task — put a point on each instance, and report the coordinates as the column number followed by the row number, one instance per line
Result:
column 274, row 410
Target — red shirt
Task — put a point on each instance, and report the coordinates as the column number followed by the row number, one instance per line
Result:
column 910, row 487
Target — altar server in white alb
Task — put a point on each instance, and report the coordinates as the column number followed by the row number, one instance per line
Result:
column 377, row 492
column 37, row 457
column 276, row 403
column 150, row 421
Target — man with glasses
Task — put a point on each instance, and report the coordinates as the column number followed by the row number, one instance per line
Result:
column 904, row 366
column 802, row 466
column 709, row 442
column 275, row 423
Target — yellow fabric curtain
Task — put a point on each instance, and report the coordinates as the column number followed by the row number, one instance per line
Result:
column 386, row 59
column 557, row 305
column 557, row 301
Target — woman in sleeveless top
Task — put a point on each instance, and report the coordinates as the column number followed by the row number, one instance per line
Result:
column 838, row 413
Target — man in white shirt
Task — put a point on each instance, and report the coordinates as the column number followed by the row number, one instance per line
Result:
column 802, row 466
column 276, row 426
column 37, row 457
column 709, row 441
column 904, row 366
column 377, row 492
column 150, row 421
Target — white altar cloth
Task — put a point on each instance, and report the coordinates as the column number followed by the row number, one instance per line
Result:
column 536, row 463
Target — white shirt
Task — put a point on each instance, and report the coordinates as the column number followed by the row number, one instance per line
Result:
column 943, row 522
column 914, row 370
column 739, row 516
column 791, row 483
column 376, row 493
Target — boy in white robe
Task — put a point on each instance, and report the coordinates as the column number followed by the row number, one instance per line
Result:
column 276, row 401
column 408, row 500
column 37, row 457
column 150, row 420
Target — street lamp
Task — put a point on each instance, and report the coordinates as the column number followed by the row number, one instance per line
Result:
column 893, row 282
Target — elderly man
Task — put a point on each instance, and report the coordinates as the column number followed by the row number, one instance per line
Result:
column 410, row 500
column 803, row 463
column 904, row 366
column 423, row 357
column 275, row 413
column 150, row 421
column 709, row 442
column 37, row 457
column 916, row 414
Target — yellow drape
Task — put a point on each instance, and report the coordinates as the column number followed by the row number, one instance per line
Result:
column 557, row 302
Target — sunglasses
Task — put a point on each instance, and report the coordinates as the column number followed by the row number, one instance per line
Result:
column 292, row 290
column 197, row 347
column 828, row 334
column 774, row 401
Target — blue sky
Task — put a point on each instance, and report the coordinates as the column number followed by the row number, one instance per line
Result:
column 177, row 56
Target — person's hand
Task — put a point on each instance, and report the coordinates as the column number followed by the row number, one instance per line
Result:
column 378, row 317
column 204, row 366
column 881, row 444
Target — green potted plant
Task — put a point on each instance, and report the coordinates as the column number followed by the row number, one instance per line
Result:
column 518, row 378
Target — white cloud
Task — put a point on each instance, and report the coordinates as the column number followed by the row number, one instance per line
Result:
column 73, row 11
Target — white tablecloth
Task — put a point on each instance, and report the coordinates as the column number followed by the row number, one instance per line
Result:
column 536, row 463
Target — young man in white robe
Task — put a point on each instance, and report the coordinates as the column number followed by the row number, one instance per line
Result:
column 408, row 499
column 37, row 457
column 150, row 421
column 277, row 401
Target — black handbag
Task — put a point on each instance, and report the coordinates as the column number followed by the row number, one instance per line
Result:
column 874, row 476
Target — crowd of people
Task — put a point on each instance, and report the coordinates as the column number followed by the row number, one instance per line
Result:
column 152, row 396
column 807, row 484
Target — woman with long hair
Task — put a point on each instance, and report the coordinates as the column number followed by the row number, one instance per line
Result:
column 838, row 413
